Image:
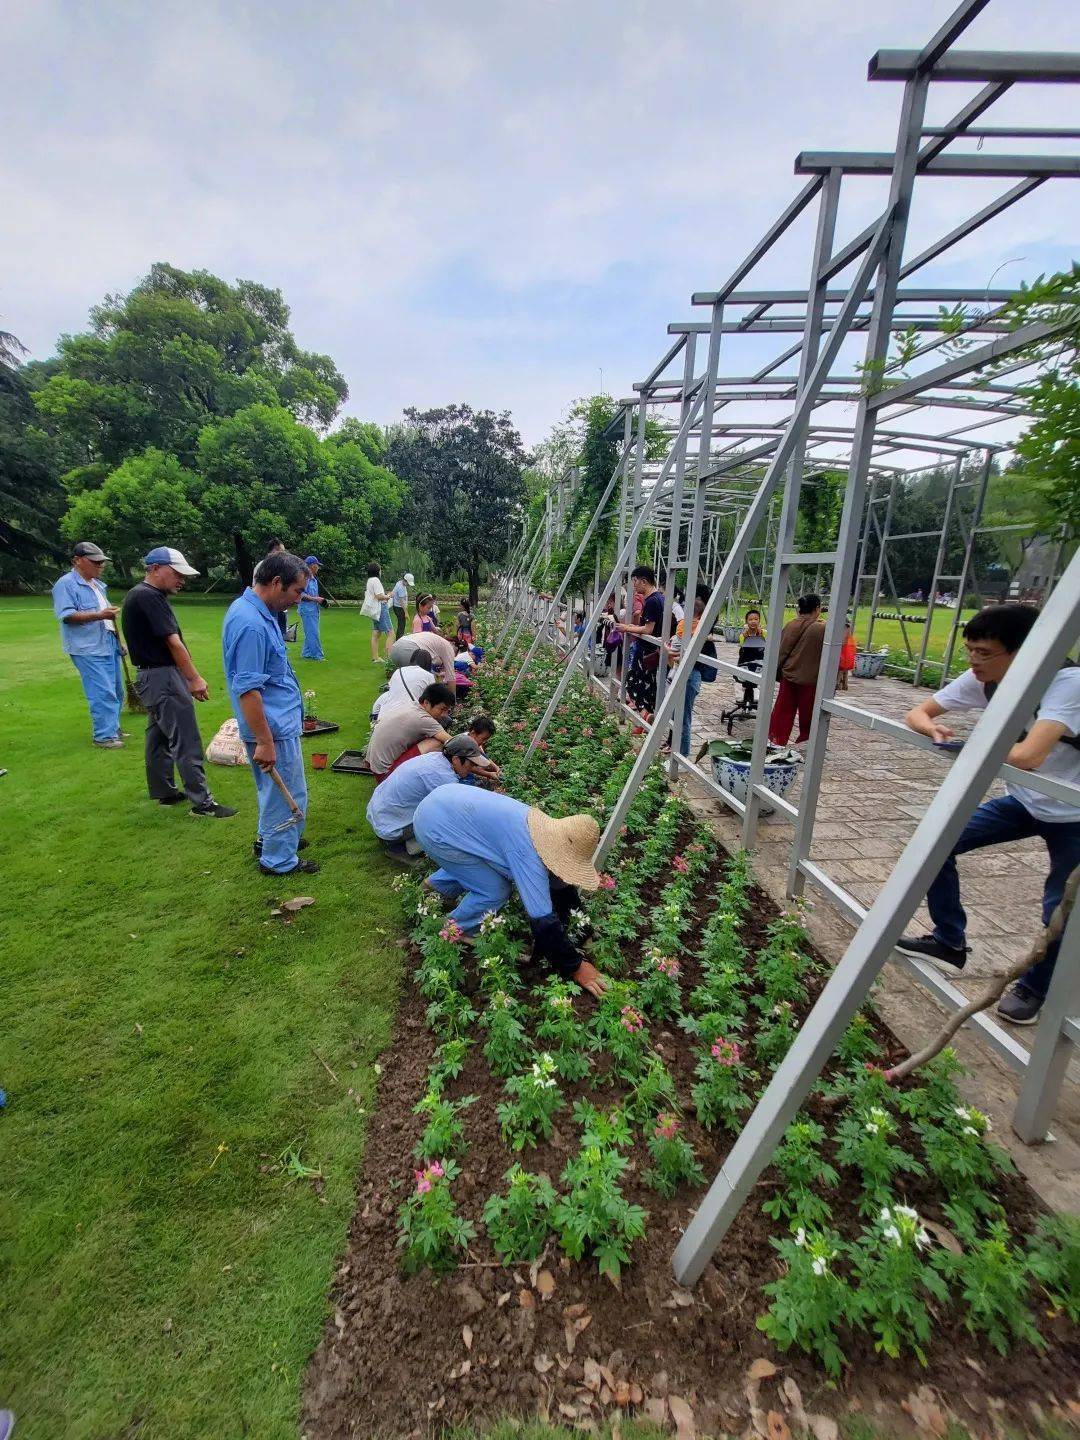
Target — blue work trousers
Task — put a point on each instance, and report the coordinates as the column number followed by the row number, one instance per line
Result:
column 103, row 684
column 481, row 888
column 280, row 839
column 693, row 689
column 310, row 618
column 995, row 823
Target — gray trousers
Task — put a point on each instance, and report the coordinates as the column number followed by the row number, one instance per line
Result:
column 172, row 735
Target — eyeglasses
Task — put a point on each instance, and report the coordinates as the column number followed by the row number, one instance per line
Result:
column 981, row 652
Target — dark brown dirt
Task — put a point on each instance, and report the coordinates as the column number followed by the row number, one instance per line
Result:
column 409, row 1355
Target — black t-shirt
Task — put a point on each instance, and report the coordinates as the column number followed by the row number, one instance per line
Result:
column 148, row 619
column 652, row 611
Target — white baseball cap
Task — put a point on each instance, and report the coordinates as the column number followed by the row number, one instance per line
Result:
column 165, row 555
column 407, row 577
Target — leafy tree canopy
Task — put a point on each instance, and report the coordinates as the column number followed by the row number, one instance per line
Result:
column 464, row 469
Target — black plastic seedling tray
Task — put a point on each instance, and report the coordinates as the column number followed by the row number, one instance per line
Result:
column 322, row 727
column 350, row 762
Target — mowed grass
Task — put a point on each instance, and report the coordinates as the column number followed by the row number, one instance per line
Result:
column 162, row 1044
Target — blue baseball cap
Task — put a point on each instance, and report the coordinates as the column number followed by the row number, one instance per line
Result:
column 312, row 560
column 166, row 555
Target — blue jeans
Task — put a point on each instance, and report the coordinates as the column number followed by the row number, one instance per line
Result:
column 995, row 823
column 279, row 845
column 103, row 685
column 693, row 689
column 310, row 617
column 482, row 888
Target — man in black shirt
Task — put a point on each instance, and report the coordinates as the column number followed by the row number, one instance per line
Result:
column 167, row 680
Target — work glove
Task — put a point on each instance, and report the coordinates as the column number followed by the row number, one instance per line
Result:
column 565, row 899
column 553, row 947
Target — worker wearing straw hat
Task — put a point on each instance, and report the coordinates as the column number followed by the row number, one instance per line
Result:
column 269, row 708
column 485, row 843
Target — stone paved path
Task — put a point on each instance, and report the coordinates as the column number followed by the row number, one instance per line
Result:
column 874, row 790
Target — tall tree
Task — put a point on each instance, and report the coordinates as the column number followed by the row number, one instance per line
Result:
column 464, row 469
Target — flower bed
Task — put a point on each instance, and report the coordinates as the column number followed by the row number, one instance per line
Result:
column 535, row 1156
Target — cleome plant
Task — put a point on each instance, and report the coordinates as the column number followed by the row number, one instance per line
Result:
column 431, row 1232
column 534, row 1100
column 673, row 1160
column 619, row 1029
column 720, row 1095
column 812, row 1302
column 867, row 1142
column 519, row 1221
column 565, row 1037
column 594, row 1214
column 444, row 1130
column 801, row 1168
column 507, row 1046
column 896, row 1281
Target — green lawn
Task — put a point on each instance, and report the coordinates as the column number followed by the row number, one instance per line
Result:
column 155, row 1283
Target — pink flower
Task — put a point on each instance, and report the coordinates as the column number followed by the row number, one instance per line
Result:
column 680, row 864
column 667, row 966
column 435, row 1170
column 541, row 745
column 727, row 1052
column 452, row 932
column 423, row 1183
column 667, row 1126
column 607, row 882
column 631, row 1020
column 586, row 733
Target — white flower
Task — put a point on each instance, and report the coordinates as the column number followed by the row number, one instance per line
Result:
column 922, row 1239
column 962, row 1112
column 800, row 1236
column 819, row 1266
column 892, row 1233
column 907, row 1212
column 886, row 1215
column 872, row 1128
column 970, row 1130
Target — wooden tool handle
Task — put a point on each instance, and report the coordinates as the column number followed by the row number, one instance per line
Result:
column 280, row 783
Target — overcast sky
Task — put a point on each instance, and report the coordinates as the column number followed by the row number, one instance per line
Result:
column 470, row 201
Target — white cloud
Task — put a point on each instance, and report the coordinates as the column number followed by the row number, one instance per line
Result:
column 472, row 201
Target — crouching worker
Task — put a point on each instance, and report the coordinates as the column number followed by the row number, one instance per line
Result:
column 392, row 805
column 405, row 731
column 268, row 706
column 486, row 843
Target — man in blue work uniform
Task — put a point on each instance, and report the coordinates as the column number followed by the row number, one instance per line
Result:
column 485, row 842
column 268, row 706
column 393, row 803
column 310, row 603
column 88, row 634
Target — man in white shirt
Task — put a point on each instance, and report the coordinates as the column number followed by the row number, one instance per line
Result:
column 1049, row 746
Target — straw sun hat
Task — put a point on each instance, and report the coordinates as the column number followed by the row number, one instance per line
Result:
column 566, row 846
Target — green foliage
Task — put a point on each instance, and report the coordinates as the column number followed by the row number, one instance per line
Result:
column 895, row 1282
column 1054, row 1260
column 431, row 1232
column 519, row 1221
column 444, row 1129
column 594, row 1213
column 801, row 1168
column 673, row 1160
column 507, row 1044
column 720, row 1095
column 866, row 1142
column 811, row 1302
column 561, row 1031
column 992, row 1278
column 534, row 1100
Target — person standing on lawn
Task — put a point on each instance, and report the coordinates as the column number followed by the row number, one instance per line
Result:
column 88, row 635
column 269, row 707
column 168, row 683
column 399, row 603
column 392, row 805
column 644, row 658
column 310, row 604
column 1048, row 747
column 799, row 661
column 486, row 843
column 275, row 546
column 376, row 608
column 407, row 730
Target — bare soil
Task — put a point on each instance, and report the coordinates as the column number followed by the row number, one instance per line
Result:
column 410, row 1355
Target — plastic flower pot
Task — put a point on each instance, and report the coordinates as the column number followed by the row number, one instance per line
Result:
column 869, row 666
column 318, row 761
column 310, row 722
column 731, row 768
column 731, row 634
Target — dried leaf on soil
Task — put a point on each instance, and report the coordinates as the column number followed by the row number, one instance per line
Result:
column 776, row 1426
column 923, row 1408
column 793, row 1398
column 527, row 1300
column 943, row 1235
column 545, row 1284
column 542, row 1364
column 761, row 1369
column 656, row 1410
column 297, row 903
column 683, row 1416
column 466, row 1335
column 823, row 1427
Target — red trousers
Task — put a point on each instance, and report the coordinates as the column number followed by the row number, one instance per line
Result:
column 789, row 699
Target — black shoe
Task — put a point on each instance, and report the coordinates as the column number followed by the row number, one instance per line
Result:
column 176, row 798
column 1019, row 1007
column 925, row 947
column 213, row 810
column 256, row 846
column 302, row 867
column 403, row 856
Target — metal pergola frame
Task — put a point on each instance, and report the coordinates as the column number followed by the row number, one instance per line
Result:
column 722, row 471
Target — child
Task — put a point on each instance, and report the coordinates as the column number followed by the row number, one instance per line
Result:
column 464, row 623
column 847, row 657
column 463, row 676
